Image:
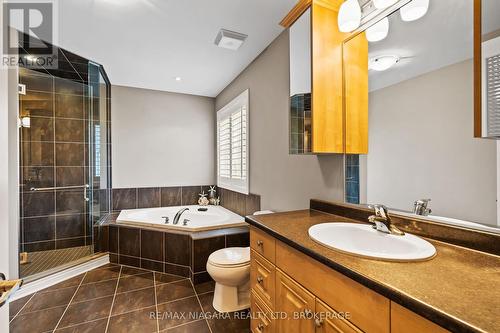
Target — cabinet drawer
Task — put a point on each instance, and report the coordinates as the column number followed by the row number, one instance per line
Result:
column 263, row 244
column 368, row 310
column 262, row 278
column 405, row 321
column 262, row 318
column 297, row 303
column 329, row 321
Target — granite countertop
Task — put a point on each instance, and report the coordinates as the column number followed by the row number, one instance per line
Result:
column 458, row 289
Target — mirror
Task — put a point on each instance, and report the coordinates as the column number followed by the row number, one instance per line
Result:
column 421, row 120
column 300, row 85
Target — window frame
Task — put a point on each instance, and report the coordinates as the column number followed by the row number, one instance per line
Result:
column 236, row 185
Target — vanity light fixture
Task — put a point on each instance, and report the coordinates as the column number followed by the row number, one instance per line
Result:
column 378, row 31
column 349, row 18
column 414, row 10
column 178, row 78
column 381, row 4
column 383, row 62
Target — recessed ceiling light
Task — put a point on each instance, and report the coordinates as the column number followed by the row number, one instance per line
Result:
column 383, row 63
column 178, row 78
column 229, row 39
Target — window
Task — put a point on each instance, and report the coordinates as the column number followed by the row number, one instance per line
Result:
column 232, row 145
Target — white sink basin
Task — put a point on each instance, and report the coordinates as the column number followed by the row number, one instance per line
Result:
column 363, row 240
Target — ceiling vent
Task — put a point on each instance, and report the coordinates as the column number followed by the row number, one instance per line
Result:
column 229, row 39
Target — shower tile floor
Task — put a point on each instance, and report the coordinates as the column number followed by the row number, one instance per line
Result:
column 116, row 298
column 44, row 260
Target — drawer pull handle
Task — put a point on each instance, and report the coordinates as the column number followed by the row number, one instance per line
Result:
column 260, row 243
column 307, row 313
column 260, row 279
column 318, row 322
column 260, row 327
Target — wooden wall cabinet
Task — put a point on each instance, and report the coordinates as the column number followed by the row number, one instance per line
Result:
column 309, row 297
column 329, row 110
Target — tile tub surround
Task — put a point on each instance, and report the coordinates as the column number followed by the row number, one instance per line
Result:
column 179, row 253
column 118, row 298
column 150, row 197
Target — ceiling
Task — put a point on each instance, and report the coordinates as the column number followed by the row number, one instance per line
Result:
column 443, row 37
column 148, row 43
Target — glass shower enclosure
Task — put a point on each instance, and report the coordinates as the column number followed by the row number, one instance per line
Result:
column 64, row 129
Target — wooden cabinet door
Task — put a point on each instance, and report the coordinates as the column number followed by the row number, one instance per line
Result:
column 262, row 278
column 296, row 303
column 356, row 94
column 329, row 321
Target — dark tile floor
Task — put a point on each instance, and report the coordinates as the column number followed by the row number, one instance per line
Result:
column 116, row 298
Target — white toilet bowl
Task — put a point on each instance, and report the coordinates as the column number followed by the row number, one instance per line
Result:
column 230, row 269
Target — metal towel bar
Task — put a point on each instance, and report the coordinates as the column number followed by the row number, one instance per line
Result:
column 85, row 189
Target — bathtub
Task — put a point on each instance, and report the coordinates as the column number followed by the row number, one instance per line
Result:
column 216, row 217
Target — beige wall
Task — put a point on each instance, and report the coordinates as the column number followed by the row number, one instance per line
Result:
column 161, row 138
column 284, row 181
column 422, row 146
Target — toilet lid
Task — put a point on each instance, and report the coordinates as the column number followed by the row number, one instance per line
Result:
column 231, row 256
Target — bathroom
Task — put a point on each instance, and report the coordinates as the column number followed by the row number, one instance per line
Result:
column 228, row 166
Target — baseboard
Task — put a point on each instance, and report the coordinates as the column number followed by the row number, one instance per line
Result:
column 60, row 276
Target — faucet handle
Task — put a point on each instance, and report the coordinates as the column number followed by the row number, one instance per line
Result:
column 380, row 210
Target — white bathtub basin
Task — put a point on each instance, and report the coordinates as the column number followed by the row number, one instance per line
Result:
column 216, row 217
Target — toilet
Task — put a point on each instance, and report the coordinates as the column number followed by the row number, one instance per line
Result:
column 230, row 269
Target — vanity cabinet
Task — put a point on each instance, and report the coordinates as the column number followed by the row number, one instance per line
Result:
column 320, row 119
column 309, row 297
column 297, row 303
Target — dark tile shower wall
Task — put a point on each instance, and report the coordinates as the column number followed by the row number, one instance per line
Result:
column 53, row 154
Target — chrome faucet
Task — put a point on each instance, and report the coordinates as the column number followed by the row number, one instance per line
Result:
column 178, row 215
column 420, row 207
column 382, row 221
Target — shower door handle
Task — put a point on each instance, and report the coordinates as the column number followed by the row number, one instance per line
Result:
column 85, row 189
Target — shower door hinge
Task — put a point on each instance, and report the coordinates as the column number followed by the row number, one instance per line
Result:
column 22, row 89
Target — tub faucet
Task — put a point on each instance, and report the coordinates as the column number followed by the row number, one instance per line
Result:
column 178, row 215
column 382, row 221
column 421, row 207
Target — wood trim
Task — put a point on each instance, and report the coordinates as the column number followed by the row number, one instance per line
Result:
column 477, row 69
column 295, row 13
column 355, row 58
column 327, row 82
column 406, row 321
column 336, row 290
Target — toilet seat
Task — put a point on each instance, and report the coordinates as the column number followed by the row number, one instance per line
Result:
column 230, row 257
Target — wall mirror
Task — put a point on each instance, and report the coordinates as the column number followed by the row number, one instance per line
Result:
column 421, row 117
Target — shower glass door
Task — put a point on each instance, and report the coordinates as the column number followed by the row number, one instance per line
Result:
column 64, row 165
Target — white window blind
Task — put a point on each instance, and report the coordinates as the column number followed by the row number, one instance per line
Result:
column 232, row 145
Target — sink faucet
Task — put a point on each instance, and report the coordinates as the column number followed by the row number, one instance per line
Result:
column 382, row 221
column 178, row 215
column 420, row 207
